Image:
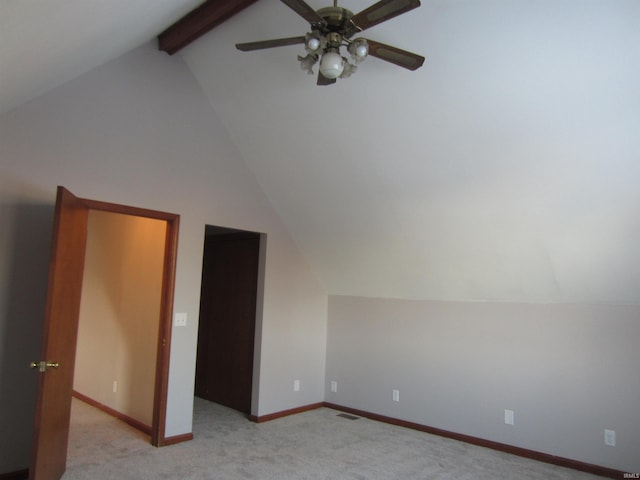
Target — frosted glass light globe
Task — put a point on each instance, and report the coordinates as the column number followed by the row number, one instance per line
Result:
column 361, row 51
column 313, row 44
column 331, row 65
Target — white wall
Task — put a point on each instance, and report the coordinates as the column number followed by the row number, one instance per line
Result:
column 120, row 313
column 139, row 131
column 567, row 371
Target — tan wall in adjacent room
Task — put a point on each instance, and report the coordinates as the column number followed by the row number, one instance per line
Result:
column 119, row 313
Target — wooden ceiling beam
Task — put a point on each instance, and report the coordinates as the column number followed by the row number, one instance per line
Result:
column 198, row 22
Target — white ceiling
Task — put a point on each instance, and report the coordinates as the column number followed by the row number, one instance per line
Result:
column 44, row 43
column 506, row 168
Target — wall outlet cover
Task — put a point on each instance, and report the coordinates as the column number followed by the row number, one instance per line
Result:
column 610, row 437
column 508, row 417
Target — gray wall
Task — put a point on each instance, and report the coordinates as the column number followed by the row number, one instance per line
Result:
column 25, row 235
column 567, row 371
column 139, row 131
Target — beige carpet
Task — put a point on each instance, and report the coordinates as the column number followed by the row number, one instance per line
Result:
column 313, row 445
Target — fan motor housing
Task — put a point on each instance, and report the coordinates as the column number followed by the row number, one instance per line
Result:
column 337, row 19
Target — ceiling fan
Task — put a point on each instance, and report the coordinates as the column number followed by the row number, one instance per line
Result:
column 332, row 28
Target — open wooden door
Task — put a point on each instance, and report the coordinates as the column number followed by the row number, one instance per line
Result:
column 60, row 331
column 56, row 362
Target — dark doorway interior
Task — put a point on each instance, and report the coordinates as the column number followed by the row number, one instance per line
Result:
column 226, row 331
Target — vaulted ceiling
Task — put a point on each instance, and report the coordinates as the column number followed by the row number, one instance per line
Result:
column 507, row 168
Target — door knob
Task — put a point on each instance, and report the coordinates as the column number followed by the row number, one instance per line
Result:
column 43, row 365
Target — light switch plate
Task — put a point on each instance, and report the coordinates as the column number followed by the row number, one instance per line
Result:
column 180, row 320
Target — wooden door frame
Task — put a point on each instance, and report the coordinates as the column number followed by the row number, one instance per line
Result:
column 163, row 349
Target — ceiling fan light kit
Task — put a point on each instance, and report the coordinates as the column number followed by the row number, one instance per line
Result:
column 331, row 31
column 332, row 64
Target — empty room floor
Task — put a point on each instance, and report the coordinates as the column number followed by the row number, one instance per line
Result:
column 317, row 444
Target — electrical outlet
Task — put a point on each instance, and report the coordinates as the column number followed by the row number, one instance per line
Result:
column 334, row 386
column 610, row 437
column 508, row 417
column 396, row 395
column 115, row 386
column 296, row 385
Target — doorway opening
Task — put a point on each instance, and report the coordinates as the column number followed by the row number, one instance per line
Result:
column 229, row 326
column 119, row 316
column 163, row 340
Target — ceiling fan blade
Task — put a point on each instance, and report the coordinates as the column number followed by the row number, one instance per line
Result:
column 278, row 42
column 402, row 58
column 322, row 80
column 306, row 12
column 381, row 12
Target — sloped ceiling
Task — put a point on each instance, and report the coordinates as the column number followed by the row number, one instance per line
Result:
column 45, row 43
column 507, row 168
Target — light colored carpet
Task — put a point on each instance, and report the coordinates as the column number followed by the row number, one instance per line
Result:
column 311, row 445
